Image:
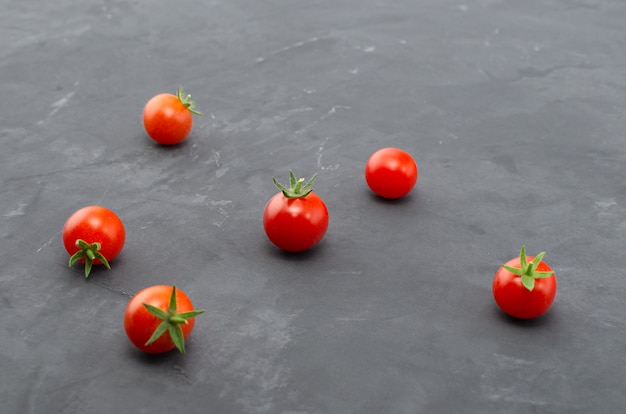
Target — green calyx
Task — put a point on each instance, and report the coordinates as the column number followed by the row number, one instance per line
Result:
column 528, row 269
column 171, row 322
column 296, row 189
column 186, row 101
column 89, row 252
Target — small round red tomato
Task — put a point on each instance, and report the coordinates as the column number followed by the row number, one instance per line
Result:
column 159, row 318
column 93, row 235
column 391, row 172
column 167, row 118
column 295, row 219
column 524, row 287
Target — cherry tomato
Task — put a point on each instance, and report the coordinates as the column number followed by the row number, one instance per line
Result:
column 295, row 219
column 167, row 118
column 391, row 172
column 93, row 235
column 159, row 318
column 524, row 287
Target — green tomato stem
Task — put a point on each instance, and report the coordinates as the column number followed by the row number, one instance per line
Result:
column 89, row 252
column 186, row 101
column 171, row 321
column 528, row 270
column 295, row 189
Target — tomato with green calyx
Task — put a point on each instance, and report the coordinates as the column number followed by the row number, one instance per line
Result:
column 295, row 219
column 524, row 287
column 391, row 173
column 167, row 118
column 159, row 318
column 93, row 235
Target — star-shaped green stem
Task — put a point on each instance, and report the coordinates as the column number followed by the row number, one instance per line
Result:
column 89, row 252
column 528, row 270
column 186, row 101
column 296, row 189
column 171, row 321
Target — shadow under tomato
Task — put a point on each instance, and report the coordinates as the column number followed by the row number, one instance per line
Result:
column 295, row 256
column 169, row 357
column 537, row 322
column 153, row 359
column 409, row 198
column 162, row 147
column 173, row 147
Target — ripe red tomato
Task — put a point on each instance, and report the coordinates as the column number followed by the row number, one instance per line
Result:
column 524, row 287
column 295, row 219
column 167, row 118
column 159, row 318
column 93, row 235
column 391, row 172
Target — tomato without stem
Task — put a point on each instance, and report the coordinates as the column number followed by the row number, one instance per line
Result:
column 295, row 219
column 524, row 287
column 93, row 235
column 391, row 172
column 159, row 318
column 167, row 118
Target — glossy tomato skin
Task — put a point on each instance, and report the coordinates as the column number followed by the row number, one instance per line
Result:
column 391, row 173
column 166, row 119
column 95, row 224
column 295, row 224
column 140, row 324
column 514, row 299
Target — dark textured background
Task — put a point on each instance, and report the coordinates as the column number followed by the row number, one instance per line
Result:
column 514, row 112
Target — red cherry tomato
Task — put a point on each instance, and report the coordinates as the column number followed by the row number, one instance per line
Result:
column 167, row 118
column 159, row 318
column 524, row 287
column 391, row 172
column 93, row 235
column 295, row 219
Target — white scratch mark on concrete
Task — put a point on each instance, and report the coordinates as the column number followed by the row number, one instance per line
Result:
column 319, row 158
column 19, row 211
column 608, row 209
column 192, row 153
column 221, row 206
column 49, row 242
column 333, row 110
column 287, row 114
column 221, row 171
column 606, row 204
column 489, row 38
column 58, row 105
column 330, row 113
column 218, row 155
column 148, row 224
column 287, row 48
column 220, row 202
